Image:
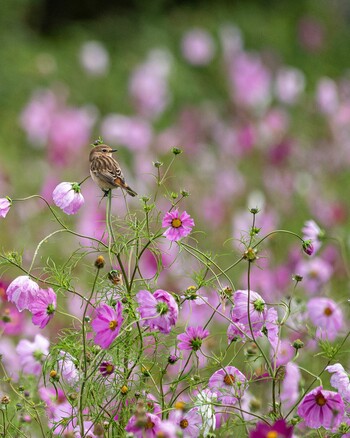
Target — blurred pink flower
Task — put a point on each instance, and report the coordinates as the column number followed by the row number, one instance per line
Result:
column 67, row 197
column 32, row 354
column 148, row 85
column 94, row 58
column 250, row 81
column 290, row 84
column 43, row 307
column 285, row 352
column 149, row 430
column 327, row 316
column 133, row 132
column 257, row 310
column 315, row 272
column 5, row 205
column 327, row 99
column 311, row 34
column 290, row 385
column 340, row 380
column 66, row 366
column 22, row 291
column 321, row 408
column 159, row 310
column 179, row 225
column 197, row 47
column 107, row 324
column 279, row 429
column 11, row 320
column 192, row 339
column 272, row 327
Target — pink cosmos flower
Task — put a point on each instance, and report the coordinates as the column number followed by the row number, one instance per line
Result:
column 340, row 380
column 315, row 272
column 159, row 309
column 149, row 430
column 192, row 339
column 228, row 382
column 106, row 368
column 179, row 225
column 257, row 310
column 107, row 324
column 290, row 385
column 197, row 47
column 22, row 291
column 272, row 327
column 43, row 307
column 94, row 58
column 32, row 354
column 5, row 205
column 321, row 408
column 327, row 316
column 189, row 422
column 290, row 83
column 311, row 231
column 66, row 366
column 11, row 320
column 67, row 197
column 278, row 429
column 327, row 98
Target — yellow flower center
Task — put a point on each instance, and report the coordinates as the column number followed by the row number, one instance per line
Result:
column 327, row 311
column 109, row 368
column 149, row 424
column 184, row 423
column 176, row 223
column 320, row 400
column 113, row 325
column 229, row 379
column 272, row 434
column 180, row 405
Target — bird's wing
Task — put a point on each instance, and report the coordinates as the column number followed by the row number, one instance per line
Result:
column 108, row 170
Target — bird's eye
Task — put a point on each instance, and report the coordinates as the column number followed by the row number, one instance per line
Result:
column 104, row 150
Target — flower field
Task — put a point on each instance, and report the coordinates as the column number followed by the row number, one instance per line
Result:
column 174, row 220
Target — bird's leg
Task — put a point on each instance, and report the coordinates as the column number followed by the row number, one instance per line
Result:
column 106, row 192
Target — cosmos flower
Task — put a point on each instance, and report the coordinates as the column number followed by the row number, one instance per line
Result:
column 179, row 225
column 107, row 324
column 5, row 205
column 197, row 47
column 43, row 307
column 106, row 368
column 340, row 380
column 321, row 408
column 257, row 310
column 278, row 429
column 192, row 339
column 189, row 422
column 67, row 197
column 159, row 310
column 327, row 316
column 311, row 231
column 32, row 354
column 22, row 292
column 149, row 429
column 228, row 382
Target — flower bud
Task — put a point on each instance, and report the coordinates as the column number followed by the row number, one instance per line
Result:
column 124, row 389
column 297, row 344
column 254, row 210
column 157, row 164
column 184, row 193
column 54, row 375
column 5, row 400
column 308, row 247
column 180, row 405
column 99, row 262
column 172, row 359
column 250, row 254
column 176, row 151
column 297, row 278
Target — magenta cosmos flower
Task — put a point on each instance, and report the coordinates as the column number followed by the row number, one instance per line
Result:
column 159, row 310
column 189, row 422
column 5, row 205
column 179, row 225
column 278, row 429
column 327, row 316
column 150, row 429
column 192, row 339
column 321, row 408
column 32, row 354
column 43, row 307
column 22, row 291
column 228, row 382
column 107, row 324
column 67, row 197
column 257, row 310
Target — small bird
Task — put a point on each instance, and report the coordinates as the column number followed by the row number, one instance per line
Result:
column 105, row 170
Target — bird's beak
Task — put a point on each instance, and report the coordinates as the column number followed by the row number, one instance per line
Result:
column 114, row 150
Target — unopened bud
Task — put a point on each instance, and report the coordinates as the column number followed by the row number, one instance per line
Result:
column 184, row 193
column 157, row 164
column 124, row 389
column 308, row 247
column 254, row 210
column 173, row 195
column 297, row 344
column 180, row 405
column 172, row 359
column 297, row 278
column 54, row 375
column 176, row 151
column 5, row 400
column 99, row 262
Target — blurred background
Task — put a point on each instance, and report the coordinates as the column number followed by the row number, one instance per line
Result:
column 255, row 93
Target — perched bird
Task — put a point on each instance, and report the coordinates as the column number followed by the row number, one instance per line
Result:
column 105, row 170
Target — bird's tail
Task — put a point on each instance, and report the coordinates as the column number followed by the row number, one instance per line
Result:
column 130, row 191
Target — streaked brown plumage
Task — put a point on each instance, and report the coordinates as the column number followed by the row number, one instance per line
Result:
column 105, row 170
